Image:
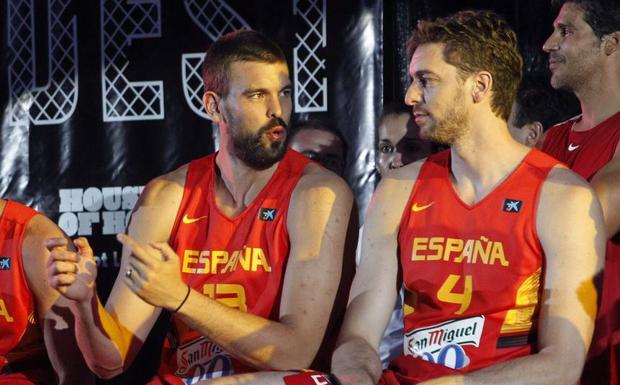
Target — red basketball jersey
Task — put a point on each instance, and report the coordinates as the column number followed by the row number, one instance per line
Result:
column 586, row 152
column 472, row 273
column 23, row 358
column 239, row 262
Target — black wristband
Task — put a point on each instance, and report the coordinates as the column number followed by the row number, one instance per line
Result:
column 184, row 299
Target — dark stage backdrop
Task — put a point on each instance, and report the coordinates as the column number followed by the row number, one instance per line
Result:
column 100, row 96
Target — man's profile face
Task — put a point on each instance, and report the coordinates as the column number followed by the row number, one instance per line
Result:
column 574, row 50
column 256, row 110
column 437, row 95
column 399, row 142
column 322, row 146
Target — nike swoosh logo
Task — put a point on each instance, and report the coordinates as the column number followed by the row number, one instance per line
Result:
column 188, row 221
column 415, row 208
column 572, row 147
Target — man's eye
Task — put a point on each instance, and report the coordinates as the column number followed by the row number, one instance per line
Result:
column 256, row 95
column 386, row 148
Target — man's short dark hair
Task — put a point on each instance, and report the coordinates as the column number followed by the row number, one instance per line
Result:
column 603, row 16
column 539, row 102
column 477, row 41
column 243, row 45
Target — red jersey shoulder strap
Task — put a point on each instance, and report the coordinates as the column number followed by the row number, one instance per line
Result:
column 18, row 212
column 198, row 177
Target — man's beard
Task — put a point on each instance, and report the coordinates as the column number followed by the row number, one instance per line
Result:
column 448, row 128
column 251, row 151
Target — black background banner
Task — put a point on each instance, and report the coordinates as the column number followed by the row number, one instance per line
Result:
column 101, row 96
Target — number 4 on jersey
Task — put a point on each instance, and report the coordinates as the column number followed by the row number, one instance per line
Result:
column 446, row 293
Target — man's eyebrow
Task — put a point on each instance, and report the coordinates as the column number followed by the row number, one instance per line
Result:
column 563, row 24
column 254, row 90
column 420, row 73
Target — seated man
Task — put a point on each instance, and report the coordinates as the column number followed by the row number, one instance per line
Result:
column 37, row 344
column 537, row 108
column 245, row 247
column 498, row 244
column 320, row 141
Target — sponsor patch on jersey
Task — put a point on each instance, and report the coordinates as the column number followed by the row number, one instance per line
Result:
column 443, row 343
column 5, row 263
column 201, row 359
column 267, row 214
column 309, row 377
column 512, row 205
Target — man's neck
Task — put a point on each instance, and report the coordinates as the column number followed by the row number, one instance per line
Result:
column 599, row 98
column 238, row 184
column 484, row 159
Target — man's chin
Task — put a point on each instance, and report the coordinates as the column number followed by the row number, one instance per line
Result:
column 263, row 161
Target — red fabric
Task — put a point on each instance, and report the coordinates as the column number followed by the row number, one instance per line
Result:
column 239, row 261
column 18, row 379
column 596, row 148
column 463, row 267
column 21, row 342
column 307, row 378
column 425, row 370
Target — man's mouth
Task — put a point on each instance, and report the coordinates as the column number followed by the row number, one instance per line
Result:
column 419, row 116
column 276, row 134
column 554, row 62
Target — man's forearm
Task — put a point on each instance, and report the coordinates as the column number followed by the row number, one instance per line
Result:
column 102, row 340
column 262, row 343
column 545, row 368
column 356, row 362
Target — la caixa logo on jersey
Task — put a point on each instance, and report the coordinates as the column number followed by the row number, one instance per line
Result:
column 5, row 263
column 267, row 214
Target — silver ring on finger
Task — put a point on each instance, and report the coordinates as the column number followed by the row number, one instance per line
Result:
column 128, row 273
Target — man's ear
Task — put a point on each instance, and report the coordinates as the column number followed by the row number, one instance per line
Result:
column 211, row 102
column 483, row 82
column 611, row 43
column 534, row 132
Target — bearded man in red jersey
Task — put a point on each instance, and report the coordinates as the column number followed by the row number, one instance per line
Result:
column 244, row 246
column 498, row 244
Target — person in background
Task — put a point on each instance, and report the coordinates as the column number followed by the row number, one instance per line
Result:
column 538, row 107
column 584, row 58
column 320, row 141
column 399, row 141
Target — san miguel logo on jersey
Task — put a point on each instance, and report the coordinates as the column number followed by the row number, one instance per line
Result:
column 202, row 359
column 512, row 205
column 5, row 263
column 267, row 214
column 443, row 343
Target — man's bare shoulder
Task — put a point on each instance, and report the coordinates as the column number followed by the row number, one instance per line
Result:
column 317, row 177
column 166, row 187
column 564, row 180
column 400, row 179
column 39, row 229
column 565, row 195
